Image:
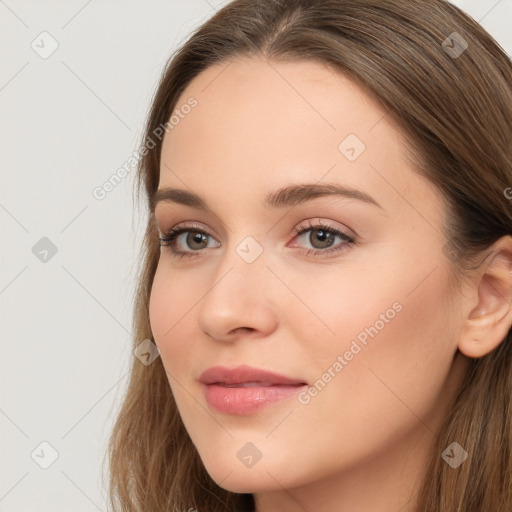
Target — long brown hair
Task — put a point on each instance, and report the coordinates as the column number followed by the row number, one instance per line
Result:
column 454, row 104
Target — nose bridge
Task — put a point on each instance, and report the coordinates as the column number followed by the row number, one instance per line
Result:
column 242, row 265
column 236, row 297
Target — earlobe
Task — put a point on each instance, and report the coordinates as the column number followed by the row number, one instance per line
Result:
column 490, row 320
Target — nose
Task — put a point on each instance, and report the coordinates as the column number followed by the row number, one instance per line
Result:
column 239, row 300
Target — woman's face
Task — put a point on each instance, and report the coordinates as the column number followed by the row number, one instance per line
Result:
column 364, row 322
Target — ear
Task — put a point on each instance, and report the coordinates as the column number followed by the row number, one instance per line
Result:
column 490, row 319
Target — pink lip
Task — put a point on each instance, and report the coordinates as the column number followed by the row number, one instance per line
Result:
column 245, row 389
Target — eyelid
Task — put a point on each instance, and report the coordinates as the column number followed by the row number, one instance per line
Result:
column 315, row 222
column 188, row 225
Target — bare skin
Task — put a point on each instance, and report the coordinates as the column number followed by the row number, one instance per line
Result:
column 362, row 442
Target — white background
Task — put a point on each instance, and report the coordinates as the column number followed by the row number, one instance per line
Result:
column 68, row 122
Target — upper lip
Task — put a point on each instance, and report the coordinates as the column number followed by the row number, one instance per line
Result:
column 243, row 374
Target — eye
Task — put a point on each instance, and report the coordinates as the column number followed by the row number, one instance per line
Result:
column 322, row 238
column 195, row 240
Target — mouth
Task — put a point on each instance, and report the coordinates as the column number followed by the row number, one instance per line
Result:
column 248, row 397
column 244, row 390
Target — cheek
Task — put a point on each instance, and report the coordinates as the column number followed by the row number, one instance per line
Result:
column 391, row 355
column 160, row 305
column 395, row 337
column 170, row 302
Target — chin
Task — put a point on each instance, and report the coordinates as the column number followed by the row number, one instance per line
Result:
column 245, row 480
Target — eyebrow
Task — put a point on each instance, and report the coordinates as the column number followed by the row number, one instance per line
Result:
column 285, row 197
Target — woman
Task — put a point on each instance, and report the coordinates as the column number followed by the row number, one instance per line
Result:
column 327, row 267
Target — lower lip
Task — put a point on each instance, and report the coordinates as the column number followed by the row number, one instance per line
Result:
column 244, row 400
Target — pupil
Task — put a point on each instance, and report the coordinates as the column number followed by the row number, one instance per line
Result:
column 325, row 238
column 196, row 238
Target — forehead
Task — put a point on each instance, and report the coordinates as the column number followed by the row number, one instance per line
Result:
column 253, row 99
column 268, row 123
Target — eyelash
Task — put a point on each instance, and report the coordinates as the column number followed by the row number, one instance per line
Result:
column 170, row 237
